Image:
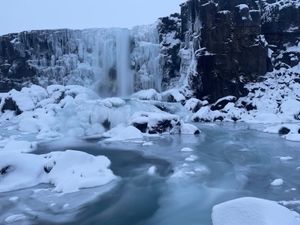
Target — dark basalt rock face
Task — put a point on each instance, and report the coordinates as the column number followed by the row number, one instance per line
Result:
column 232, row 41
column 22, row 54
column 281, row 27
column 229, row 47
column 169, row 29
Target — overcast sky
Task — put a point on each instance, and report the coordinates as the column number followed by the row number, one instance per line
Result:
column 20, row 15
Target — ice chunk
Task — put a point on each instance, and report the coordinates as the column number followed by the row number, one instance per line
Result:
column 277, row 182
column 285, row 158
column 15, row 218
column 152, row 170
column 191, row 158
column 292, row 137
column 187, row 150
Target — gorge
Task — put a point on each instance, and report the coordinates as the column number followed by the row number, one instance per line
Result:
column 191, row 120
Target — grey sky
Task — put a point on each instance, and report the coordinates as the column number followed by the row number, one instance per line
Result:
column 19, row 15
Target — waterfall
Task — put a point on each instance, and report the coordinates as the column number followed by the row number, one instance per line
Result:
column 125, row 79
column 113, row 61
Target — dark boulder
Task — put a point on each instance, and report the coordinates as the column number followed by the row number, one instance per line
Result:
column 284, row 131
column 10, row 104
column 221, row 103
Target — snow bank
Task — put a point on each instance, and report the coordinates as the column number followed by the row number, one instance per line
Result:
column 253, row 211
column 19, row 146
column 68, row 171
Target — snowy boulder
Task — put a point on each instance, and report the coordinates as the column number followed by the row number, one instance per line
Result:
column 222, row 102
column 156, row 122
column 290, row 132
column 36, row 93
column 8, row 103
column 194, row 104
column 253, row 211
column 173, row 95
column 68, row 171
column 149, row 94
column 205, row 114
column 18, row 102
column 189, row 129
column 121, row 133
column 113, row 102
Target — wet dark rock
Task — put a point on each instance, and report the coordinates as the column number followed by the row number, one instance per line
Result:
column 10, row 104
column 221, row 103
column 160, row 127
column 156, row 123
column 106, row 124
column 143, row 127
column 47, row 169
column 249, row 106
column 284, row 131
column 5, row 170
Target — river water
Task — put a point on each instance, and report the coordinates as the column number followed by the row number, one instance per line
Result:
column 228, row 161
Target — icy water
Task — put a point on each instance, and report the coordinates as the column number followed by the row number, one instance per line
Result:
column 229, row 161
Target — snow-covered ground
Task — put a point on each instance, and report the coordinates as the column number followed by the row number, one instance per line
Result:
column 36, row 114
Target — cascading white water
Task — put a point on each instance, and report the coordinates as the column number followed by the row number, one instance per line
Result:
column 109, row 57
column 125, row 78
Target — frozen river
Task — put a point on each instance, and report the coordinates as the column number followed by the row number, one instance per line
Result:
column 159, row 184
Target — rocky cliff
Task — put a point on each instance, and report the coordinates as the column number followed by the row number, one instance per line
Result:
column 234, row 42
column 210, row 50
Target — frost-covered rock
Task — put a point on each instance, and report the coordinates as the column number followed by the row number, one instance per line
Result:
column 253, row 211
column 222, row 102
column 173, row 95
column 194, row 104
column 189, row 129
column 149, row 94
column 68, row 171
column 275, row 99
column 156, row 122
column 122, row 133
